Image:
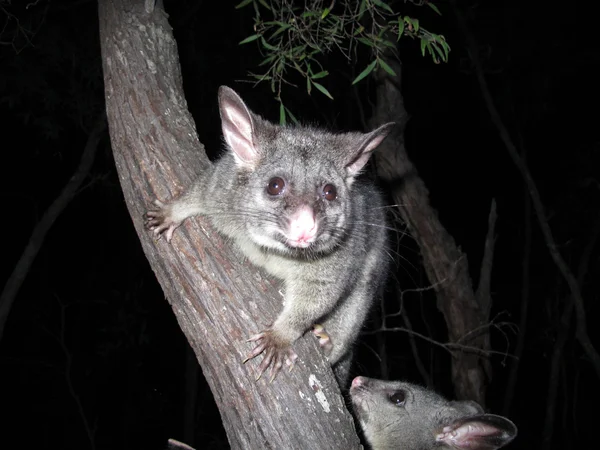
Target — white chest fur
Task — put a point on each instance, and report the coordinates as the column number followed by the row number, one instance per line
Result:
column 276, row 265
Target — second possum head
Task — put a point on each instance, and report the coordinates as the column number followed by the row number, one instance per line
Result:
column 404, row 416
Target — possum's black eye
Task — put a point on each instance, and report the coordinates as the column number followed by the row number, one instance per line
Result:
column 397, row 398
column 329, row 192
column 275, row 186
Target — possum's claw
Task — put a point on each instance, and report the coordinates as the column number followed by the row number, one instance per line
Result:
column 324, row 338
column 276, row 352
column 159, row 221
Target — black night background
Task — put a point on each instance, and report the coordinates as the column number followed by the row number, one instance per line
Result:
column 91, row 345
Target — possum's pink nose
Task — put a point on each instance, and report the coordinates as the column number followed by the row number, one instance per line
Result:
column 358, row 381
column 303, row 227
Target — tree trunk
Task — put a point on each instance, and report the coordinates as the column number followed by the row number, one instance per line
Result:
column 446, row 266
column 219, row 299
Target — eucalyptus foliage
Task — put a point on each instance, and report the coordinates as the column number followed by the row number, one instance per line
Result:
column 292, row 36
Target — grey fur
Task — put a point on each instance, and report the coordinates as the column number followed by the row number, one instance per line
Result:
column 331, row 280
column 404, row 416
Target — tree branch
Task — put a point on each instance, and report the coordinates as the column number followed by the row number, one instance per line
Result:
column 538, row 207
column 484, row 297
column 524, row 310
column 445, row 264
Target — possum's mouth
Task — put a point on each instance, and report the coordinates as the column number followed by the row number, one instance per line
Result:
column 299, row 243
column 357, row 394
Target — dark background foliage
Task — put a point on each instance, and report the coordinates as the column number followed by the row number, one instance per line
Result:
column 91, row 339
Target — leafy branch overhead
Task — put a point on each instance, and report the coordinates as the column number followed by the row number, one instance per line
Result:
column 293, row 37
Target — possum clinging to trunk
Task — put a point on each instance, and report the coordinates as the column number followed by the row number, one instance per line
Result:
column 289, row 198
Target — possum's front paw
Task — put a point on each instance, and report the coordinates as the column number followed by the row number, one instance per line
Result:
column 159, row 220
column 276, row 350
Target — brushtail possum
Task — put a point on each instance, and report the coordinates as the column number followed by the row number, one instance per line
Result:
column 290, row 199
column 404, row 416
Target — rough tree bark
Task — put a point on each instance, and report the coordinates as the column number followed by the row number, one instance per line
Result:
column 219, row 299
column 465, row 310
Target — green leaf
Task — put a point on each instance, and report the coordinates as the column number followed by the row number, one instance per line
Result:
column 431, row 52
column 324, row 91
column 400, row 27
column 308, row 14
column 383, row 5
column 280, row 67
column 266, row 44
column 282, row 28
column 366, row 41
column 242, row 4
column 314, row 46
column 388, row 44
column 416, row 25
column 424, row 44
column 281, row 113
column 261, row 77
column 387, row 68
column 308, row 86
column 316, row 76
column 298, row 49
column 267, row 60
column 445, row 47
column 289, row 113
column 382, row 31
column 365, row 72
column 265, row 4
column 361, row 10
column 249, row 39
column 440, row 52
column 326, row 12
column 334, row 21
column 413, row 24
column 435, row 8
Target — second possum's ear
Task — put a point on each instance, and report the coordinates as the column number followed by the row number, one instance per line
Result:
column 480, row 432
column 365, row 147
column 238, row 126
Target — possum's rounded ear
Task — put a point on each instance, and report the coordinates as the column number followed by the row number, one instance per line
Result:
column 238, row 126
column 480, row 432
column 366, row 145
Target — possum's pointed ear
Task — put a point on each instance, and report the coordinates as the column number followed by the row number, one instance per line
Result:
column 366, row 146
column 238, row 126
column 480, row 432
